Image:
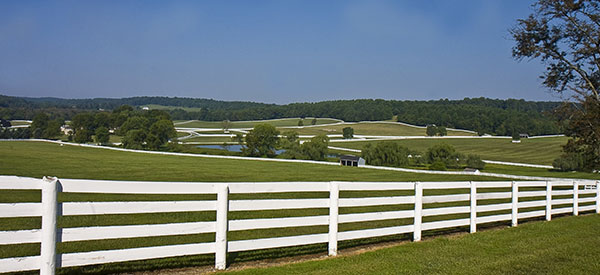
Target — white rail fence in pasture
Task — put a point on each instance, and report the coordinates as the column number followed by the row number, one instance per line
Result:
column 424, row 206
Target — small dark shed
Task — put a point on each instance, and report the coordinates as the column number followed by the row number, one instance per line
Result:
column 351, row 161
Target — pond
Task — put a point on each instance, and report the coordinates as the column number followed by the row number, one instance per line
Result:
column 238, row 148
column 232, row 148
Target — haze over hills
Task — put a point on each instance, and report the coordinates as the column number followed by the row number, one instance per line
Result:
column 484, row 115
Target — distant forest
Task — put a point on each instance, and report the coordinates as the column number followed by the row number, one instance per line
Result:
column 483, row 115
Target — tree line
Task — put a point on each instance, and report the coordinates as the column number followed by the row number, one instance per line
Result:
column 483, row 115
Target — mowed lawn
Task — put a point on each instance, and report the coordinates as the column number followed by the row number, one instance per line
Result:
column 285, row 122
column 535, row 151
column 375, row 129
column 568, row 245
column 37, row 159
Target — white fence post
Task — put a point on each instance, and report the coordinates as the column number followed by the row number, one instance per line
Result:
column 575, row 198
column 222, row 224
column 597, row 197
column 548, row 200
column 515, row 203
column 334, row 198
column 49, row 229
column 473, row 198
column 418, row 211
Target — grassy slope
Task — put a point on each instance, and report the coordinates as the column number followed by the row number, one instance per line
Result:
column 381, row 129
column 249, row 124
column 540, row 172
column 36, row 159
column 536, row 151
column 569, row 245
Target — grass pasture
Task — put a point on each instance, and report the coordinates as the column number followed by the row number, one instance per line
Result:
column 375, row 129
column 38, row 159
column 535, row 151
column 569, row 245
column 284, row 122
column 35, row 159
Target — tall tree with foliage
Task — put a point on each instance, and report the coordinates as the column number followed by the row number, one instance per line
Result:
column 385, row 153
column 431, row 130
column 261, row 141
column 348, row 132
column 316, row 148
column 565, row 35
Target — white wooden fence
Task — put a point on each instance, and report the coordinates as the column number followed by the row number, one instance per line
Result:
column 556, row 197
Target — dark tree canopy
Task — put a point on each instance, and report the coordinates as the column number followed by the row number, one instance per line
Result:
column 565, row 35
column 261, row 141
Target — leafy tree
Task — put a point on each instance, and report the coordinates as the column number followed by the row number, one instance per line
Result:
column 348, row 132
column 161, row 132
column 102, row 135
column 83, row 121
column 82, row 136
column 444, row 153
column 516, row 135
column 134, row 123
column 53, row 128
column 37, row 133
column 261, row 141
column 316, row 148
column 102, row 119
column 134, row 139
column 474, row 161
column 291, row 143
column 441, row 131
column 386, row 154
column 572, row 159
column 438, row 165
column 40, row 121
column 431, row 130
column 565, row 35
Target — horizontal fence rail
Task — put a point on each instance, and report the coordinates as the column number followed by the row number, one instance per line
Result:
column 421, row 206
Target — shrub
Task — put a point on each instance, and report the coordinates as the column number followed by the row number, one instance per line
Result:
column 348, row 132
column 438, row 165
column 386, row 154
column 474, row 161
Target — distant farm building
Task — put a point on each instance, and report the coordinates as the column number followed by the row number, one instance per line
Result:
column 351, row 161
column 66, row 129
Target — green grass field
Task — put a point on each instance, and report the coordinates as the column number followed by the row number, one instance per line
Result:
column 285, row 122
column 538, row 172
column 36, row 159
column 535, row 151
column 376, row 129
column 569, row 245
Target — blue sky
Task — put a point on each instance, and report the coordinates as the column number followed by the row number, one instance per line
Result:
column 265, row 51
